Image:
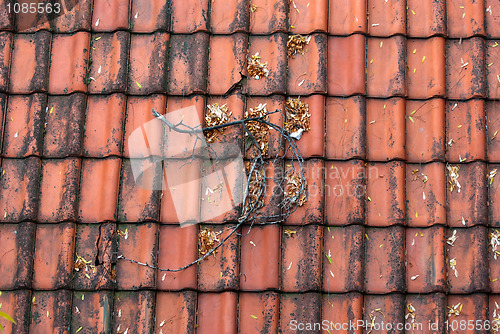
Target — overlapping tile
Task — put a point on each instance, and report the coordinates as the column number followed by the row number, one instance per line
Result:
column 110, row 15
column 29, row 67
column 346, row 65
column 108, row 62
column 68, row 63
column 268, row 17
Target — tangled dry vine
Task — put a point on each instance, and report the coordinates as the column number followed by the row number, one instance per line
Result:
column 290, row 187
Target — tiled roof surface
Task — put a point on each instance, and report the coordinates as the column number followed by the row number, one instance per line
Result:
column 396, row 90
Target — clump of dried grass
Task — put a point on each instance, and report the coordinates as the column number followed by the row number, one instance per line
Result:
column 257, row 69
column 259, row 130
column 207, row 240
column 216, row 115
column 296, row 44
column 298, row 118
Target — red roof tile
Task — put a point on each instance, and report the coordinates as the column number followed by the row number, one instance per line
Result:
column 389, row 308
column 307, row 72
column 343, row 259
column 422, row 244
column 17, row 260
column 227, row 17
column 220, row 272
column 108, row 62
column 305, row 17
column 189, row 16
column 425, row 130
column 492, row 70
column 272, row 50
column 385, row 72
column 269, row 17
column 430, row 311
column 76, row 17
column 468, row 207
column 64, row 118
column 94, row 310
column 133, row 311
column 301, row 258
column 384, row 260
column 134, row 202
column 148, row 63
column 347, row 18
column 110, row 15
column 344, row 192
column 58, row 194
column 141, row 242
column 492, row 109
column 6, row 17
column 302, row 308
column 99, row 190
column 188, row 64
column 23, row 129
column 95, row 244
column 425, row 18
column 138, row 113
column 104, row 119
column 465, row 18
column 468, row 256
column 263, row 242
column 6, row 39
column 312, row 210
column 351, row 302
column 473, row 307
column 346, row 65
column 16, row 303
column 386, row 18
column 426, row 67
column 345, row 127
column 258, row 312
column 217, row 312
column 385, row 129
column 226, row 52
column 30, row 63
column 68, row 63
column 50, row 311
column 494, row 265
column 149, row 16
column 19, row 184
column 492, row 18
column 465, row 68
column 175, row 312
column 53, row 256
column 425, row 194
column 385, row 194
column 465, row 118
column 171, row 239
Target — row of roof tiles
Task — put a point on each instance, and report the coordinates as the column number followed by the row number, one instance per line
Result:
column 97, row 126
column 338, row 66
column 270, row 257
column 245, row 312
column 376, row 17
column 98, row 190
